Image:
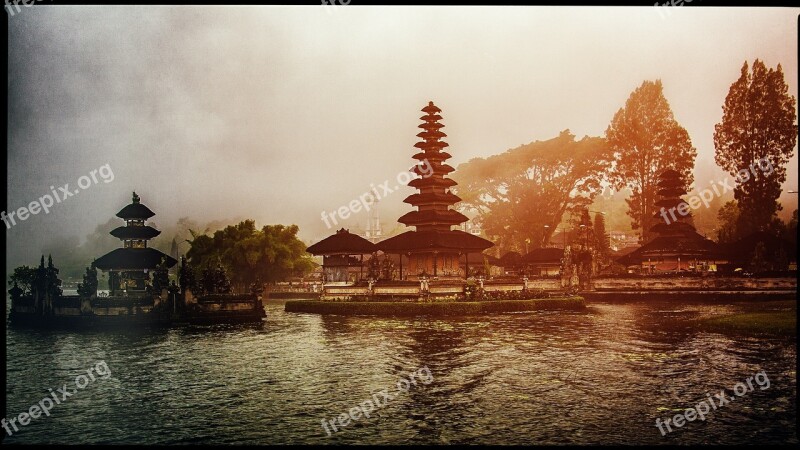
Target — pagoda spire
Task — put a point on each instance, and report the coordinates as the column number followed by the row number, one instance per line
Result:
column 668, row 219
column 434, row 198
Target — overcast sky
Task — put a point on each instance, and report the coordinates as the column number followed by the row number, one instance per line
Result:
column 278, row 113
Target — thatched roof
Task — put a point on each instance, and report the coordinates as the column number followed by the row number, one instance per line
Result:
column 342, row 243
column 689, row 245
column 135, row 232
column 544, row 255
column 453, row 240
column 133, row 259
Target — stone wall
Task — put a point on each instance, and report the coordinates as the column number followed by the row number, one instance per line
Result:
column 692, row 283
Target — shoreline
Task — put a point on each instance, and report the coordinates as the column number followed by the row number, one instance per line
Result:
column 440, row 309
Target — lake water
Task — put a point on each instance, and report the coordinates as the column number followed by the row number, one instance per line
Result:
column 600, row 376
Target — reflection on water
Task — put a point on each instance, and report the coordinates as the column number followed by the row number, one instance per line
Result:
column 531, row 378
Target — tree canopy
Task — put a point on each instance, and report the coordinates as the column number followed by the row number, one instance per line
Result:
column 516, row 193
column 252, row 255
column 646, row 139
column 758, row 131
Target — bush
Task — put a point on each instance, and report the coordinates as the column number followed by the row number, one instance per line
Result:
column 478, row 294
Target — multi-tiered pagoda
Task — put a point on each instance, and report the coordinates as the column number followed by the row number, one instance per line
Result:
column 434, row 248
column 676, row 246
column 129, row 267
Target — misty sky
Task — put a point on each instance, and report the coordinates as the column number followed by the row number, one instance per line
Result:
column 276, row 113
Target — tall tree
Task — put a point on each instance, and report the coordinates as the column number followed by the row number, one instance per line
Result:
column 758, row 131
column 25, row 278
column 646, row 139
column 52, row 283
column 791, row 229
column 728, row 217
column 89, row 286
column 516, row 193
column 602, row 240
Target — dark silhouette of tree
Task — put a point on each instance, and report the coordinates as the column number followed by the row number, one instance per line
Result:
column 187, row 279
column 602, row 241
column 89, row 286
column 781, row 262
column 584, row 250
column 646, row 140
column 52, row 282
column 215, row 280
column 161, row 276
column 791, row 229
column 728, row 217
column 516, row 193
column 25, row 278
column 40, row 281
column 15, row 292
column 759, row 261
column 758, row 128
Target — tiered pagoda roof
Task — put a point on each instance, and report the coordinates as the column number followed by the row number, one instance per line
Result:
column 135, row 210
column 433, row 217
column 134, row 257
column 670, row 188
column 676, row 238
column 134, row 232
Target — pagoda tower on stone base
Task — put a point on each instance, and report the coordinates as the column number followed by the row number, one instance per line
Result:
column 676, row 247
column 129, row 267
column 434, row 248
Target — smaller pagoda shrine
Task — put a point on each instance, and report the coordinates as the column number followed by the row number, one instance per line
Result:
column 677, row 246
column 129, row 267
column 339, row 251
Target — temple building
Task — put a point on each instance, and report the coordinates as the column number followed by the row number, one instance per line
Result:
column 677, row 247
column 129, row 267
column 339, row 251
column 544, row 262
column 433, row 248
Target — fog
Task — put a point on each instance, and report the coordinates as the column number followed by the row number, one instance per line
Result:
column 279, row 113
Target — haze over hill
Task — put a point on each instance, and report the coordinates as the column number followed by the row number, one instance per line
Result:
column 280, row 113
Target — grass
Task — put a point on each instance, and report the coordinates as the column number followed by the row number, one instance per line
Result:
column 770, row 322
column 433, row 308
